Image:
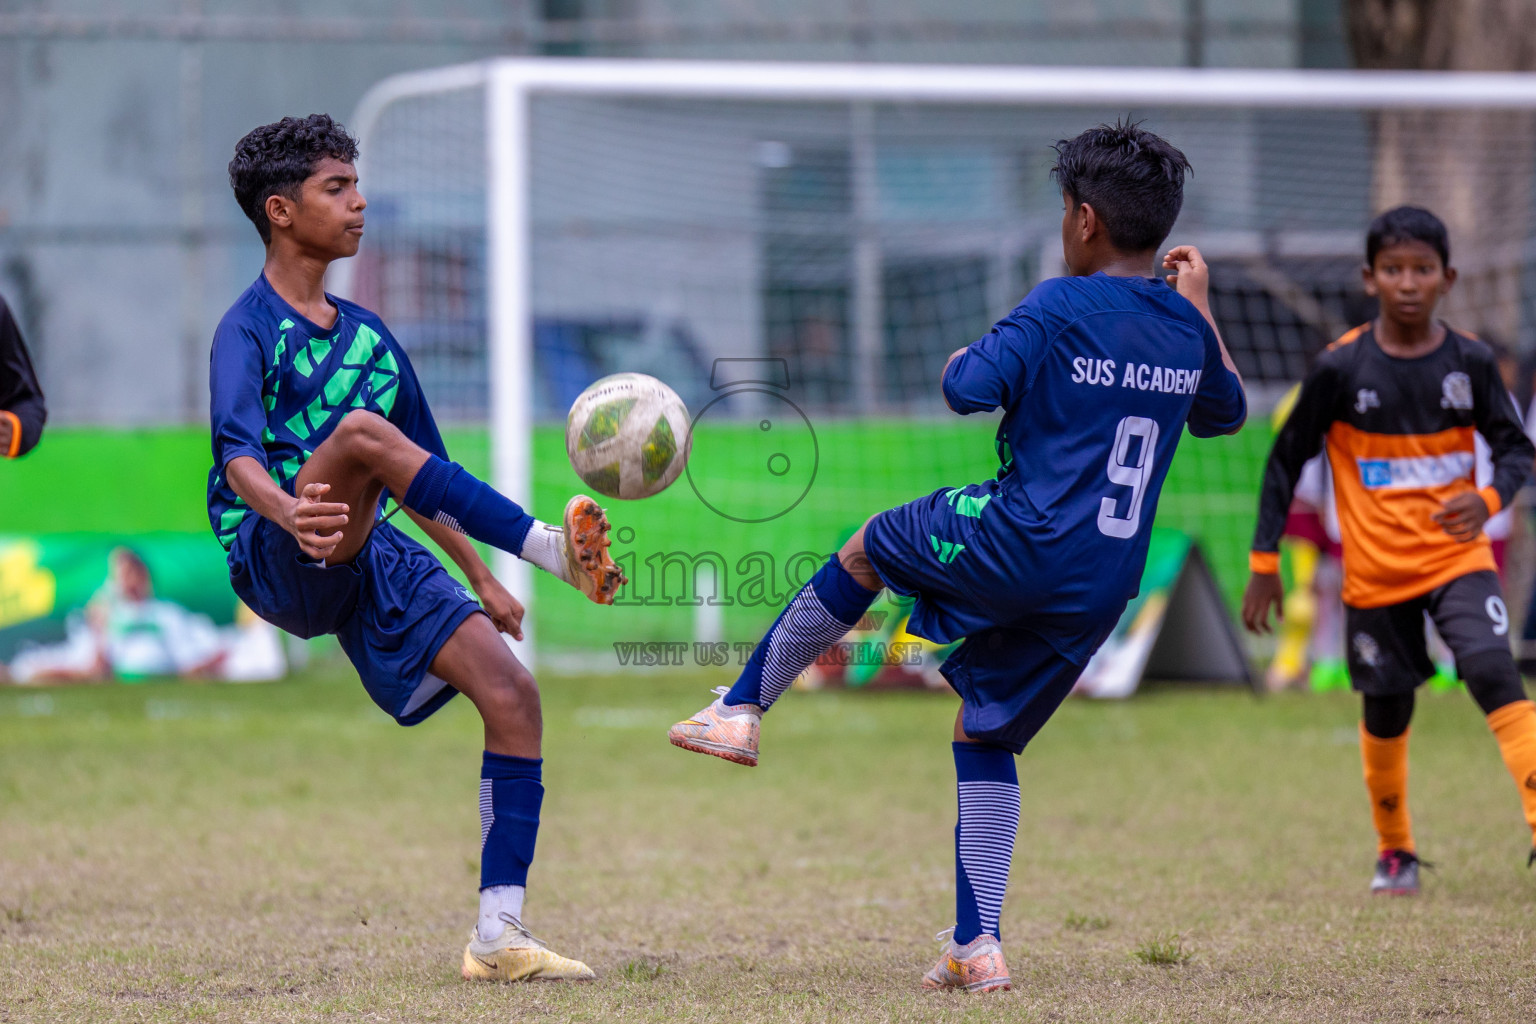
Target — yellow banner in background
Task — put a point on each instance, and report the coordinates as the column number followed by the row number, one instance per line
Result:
column 27, row 590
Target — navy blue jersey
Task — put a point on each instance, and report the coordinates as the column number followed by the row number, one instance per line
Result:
column 279, row 384
column 1097, row 377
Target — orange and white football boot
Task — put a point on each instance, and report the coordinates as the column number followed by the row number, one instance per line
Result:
column 728, row 731
column 976, row 966
column 592, row 571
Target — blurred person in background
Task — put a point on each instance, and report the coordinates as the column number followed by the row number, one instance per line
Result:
column 1310, row 648
column 21, row 399
column 127, row 633
column 1397, row 403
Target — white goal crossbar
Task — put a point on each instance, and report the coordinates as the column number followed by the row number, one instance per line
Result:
column 508, row 84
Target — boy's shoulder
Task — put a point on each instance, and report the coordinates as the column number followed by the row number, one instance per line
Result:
column 249, row 313
column 1356, row 342
column 358, row 314
column 256, row 314
column 1470, row 348
column 1344, row 351
column 1074, row 297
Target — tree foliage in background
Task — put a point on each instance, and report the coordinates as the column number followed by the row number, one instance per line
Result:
column 1473, row 168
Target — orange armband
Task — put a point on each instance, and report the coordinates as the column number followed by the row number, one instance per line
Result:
column 1267, row 562
column 1490, row 496
column 15, row 445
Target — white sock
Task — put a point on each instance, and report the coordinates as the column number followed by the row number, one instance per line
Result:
column 545, row 547
column 495, row 900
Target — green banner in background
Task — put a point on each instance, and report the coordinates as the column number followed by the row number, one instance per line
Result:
column 103, row 481
column 44, row 579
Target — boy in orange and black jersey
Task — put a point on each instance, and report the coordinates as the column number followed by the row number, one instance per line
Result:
column 1397, row 402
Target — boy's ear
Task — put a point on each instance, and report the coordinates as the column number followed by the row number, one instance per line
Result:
column 1368, row 278
column 1450, row 280
column 1088, row 224
column 279, row 211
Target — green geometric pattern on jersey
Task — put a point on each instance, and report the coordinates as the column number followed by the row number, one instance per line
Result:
column 966, row 504
column 368, row 374
column 1004, row 453
column 947, row 550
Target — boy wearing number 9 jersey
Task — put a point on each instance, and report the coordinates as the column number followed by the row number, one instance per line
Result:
column 1397, row 403
column 1097, row 375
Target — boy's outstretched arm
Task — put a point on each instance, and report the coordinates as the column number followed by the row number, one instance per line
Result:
column 505, row 610
column 316, row 524
column 1299, row 439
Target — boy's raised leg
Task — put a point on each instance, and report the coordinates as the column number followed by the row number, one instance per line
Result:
column 820, row 615
column 367, row 454
column 476, row 662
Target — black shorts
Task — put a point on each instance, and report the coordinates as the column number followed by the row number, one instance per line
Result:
column 1386, row 648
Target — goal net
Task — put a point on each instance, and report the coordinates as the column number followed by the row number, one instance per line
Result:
column 798, row 262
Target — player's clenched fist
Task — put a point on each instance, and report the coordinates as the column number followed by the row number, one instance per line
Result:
column 1191, row 278
column 316, row 524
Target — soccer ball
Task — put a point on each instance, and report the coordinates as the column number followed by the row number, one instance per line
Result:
column 628, row 436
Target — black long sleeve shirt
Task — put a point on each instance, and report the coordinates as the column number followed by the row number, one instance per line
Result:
column 21, row 398
column 1399, row 434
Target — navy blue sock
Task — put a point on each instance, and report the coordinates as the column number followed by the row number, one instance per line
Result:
column 511, row 792
column 449, row 494
column 819, row 616
column 988, row 783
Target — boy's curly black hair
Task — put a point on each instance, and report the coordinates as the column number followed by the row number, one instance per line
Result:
column 1134, row 181
column 1407, row 224
column 274, row 160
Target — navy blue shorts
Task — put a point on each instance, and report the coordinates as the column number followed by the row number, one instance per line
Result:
column 1010, row 678
column 392, row 607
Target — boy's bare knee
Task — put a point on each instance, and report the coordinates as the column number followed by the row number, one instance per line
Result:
column 514, row 699
column 856, row 563
column 363, row 431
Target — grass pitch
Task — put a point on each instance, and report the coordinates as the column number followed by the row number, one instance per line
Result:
column 283, row 853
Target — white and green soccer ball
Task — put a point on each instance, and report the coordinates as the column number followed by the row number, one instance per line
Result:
column 628, row 436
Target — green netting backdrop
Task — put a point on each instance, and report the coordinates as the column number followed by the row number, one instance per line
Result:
column 134, row 482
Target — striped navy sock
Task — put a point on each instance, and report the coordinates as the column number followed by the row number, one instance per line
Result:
column 819, row 616
column 511, row 793
column 449, row 494
column 984, row 835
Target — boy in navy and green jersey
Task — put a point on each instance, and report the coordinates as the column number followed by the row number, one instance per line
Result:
column 317, row 418
column 1097, row 375
column 305, row 376
column 1397, row 404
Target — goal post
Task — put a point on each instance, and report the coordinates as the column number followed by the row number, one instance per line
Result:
column 819, row 212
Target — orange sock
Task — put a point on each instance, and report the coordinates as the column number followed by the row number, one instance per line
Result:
column 1386, row 780
column 1515, row 726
